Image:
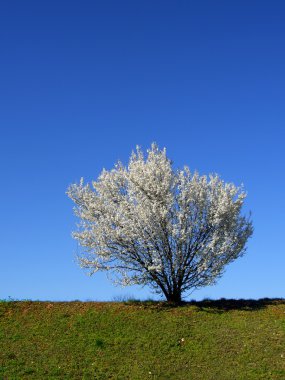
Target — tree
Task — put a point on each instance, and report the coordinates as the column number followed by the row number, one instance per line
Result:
column 152, row 225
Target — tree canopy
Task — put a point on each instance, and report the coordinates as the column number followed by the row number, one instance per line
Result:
column 150, row 224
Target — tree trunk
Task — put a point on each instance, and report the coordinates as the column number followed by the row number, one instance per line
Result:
column 174, row 297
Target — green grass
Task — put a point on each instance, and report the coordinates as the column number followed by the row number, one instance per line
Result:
column 225, row 339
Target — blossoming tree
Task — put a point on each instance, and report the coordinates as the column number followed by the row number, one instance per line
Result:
column 152, row 225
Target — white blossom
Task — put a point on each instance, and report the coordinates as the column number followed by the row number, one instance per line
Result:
column 150, row 224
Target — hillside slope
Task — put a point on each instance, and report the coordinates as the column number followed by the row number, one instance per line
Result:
column 225, row 339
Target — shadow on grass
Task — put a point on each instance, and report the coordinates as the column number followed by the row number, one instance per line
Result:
column 213, row 306
column 222, row 305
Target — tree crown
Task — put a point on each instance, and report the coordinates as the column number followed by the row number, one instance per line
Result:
column 152, row 225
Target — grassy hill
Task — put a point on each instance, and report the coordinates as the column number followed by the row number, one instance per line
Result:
column 224, row 339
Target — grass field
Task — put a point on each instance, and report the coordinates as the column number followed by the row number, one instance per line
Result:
column 224, row 339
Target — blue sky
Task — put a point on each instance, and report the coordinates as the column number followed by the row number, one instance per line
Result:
column 82, row 83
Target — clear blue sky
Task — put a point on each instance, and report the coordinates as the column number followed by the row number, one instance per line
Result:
column 82, row 83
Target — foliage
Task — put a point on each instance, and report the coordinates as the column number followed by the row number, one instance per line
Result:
column 152, row 225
